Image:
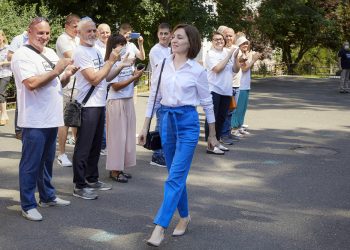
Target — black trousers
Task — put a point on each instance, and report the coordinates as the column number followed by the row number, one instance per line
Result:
column 88, row 146
column 221, row 105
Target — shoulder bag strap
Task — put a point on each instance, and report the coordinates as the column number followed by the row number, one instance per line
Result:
column 155, row 98
column 92, row 87
column 38, row 52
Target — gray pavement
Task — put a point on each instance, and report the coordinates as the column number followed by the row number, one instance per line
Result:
column 285, row 186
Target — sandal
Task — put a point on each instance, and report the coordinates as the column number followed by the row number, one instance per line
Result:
column 119, row 177
column 215, row 151
column 128, row 176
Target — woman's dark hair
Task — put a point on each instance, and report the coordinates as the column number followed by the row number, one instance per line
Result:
column 217, row 33
column 112, row 43
column 194, row 39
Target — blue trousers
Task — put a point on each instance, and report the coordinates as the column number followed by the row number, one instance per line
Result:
column 35, row 167
column 239, row 113
column 179, row 130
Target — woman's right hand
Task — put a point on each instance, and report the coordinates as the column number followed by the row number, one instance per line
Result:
column 142, row 137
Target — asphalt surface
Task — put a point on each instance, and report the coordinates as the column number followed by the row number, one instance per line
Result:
column 285, row 186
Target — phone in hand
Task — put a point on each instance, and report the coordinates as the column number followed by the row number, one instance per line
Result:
column 140, row 66
column 134, row 35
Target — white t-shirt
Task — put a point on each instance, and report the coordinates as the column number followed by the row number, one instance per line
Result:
column 220, row 83
column 5, row 71
column 89, row 57
column 18, row 41
column 101, row 47
column 132, row 50
column 66, row 43
column 42, row 107
column 126, row 92
column 157, row 54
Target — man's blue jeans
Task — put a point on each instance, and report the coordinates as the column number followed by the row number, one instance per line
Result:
column 35, row 167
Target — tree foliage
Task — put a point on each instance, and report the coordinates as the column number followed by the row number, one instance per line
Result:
column 14, row 19
column 295, row 27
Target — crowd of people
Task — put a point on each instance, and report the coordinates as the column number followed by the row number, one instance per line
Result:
column 97, row 69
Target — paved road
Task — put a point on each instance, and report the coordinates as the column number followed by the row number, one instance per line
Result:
column 286, row 186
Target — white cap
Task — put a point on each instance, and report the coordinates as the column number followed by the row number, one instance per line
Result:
column 241, row 40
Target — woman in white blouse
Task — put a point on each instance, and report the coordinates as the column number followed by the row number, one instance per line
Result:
column 220, row 73
column 183, row 86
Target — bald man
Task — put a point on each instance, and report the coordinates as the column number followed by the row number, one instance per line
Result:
column 103, row 32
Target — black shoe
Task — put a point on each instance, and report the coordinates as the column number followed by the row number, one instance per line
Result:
column 129, row 176
column 158, row 161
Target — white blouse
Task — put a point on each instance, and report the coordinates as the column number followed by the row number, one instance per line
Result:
column 187, row 85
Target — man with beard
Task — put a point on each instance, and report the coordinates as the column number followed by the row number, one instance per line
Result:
column 90, row 80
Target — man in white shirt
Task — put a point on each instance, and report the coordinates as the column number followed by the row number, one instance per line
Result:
column 40, row 113
column 65, row 45
column 158, row 52
column 103, row 32
column 91, row 77
column 16, row 43
column 125, row 30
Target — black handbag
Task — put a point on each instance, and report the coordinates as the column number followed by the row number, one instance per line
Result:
column 153, row 140
column 72, row 110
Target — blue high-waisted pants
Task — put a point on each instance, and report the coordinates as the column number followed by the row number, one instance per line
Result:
column 179, row 130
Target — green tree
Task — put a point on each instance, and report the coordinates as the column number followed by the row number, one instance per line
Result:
column 143, row 15
column 296, row 27
column 14, row 19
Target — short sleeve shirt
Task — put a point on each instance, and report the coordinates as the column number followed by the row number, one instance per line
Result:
column 89, row 57
column 42, row 107
column 220, row 83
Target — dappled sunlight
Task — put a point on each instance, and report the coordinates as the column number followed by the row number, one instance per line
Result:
column 110, row 239
column 10, row 194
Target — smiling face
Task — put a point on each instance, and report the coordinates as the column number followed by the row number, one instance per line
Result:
column 87, row 34
column 218, row 42
column 229, row 36
column 39, row 34
column 104, row 31
column 179, row 42
column 244, row 47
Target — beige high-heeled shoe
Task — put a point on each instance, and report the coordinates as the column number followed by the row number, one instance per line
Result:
column 182, row 226
column 157, row 236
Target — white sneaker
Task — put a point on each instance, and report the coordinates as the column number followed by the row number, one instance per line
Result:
column 243, row 131
column 58, row 202
column 236, row 133
column 223, row 148
column 64, row 161
column 103, row 152
column 245, row 126
column 32, row 214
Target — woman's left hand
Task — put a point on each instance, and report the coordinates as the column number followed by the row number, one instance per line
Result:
column 212, row 142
